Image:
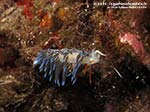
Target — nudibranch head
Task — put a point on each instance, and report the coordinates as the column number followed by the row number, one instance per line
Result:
column 95, row 56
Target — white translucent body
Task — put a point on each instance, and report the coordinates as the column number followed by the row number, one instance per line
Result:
column 93, row 58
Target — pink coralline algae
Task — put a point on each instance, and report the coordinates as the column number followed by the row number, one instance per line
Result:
column 132, row 40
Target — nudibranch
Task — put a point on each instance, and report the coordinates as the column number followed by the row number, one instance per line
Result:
column 58, row 64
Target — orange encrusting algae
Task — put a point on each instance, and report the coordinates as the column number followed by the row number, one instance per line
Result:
column 27, row 8
column 47, row 21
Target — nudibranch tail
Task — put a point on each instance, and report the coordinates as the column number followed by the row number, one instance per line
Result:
column 57, row 64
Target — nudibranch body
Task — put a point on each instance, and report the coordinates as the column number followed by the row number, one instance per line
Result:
column 59, row 64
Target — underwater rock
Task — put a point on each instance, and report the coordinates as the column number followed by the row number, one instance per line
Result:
column 8, row 56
